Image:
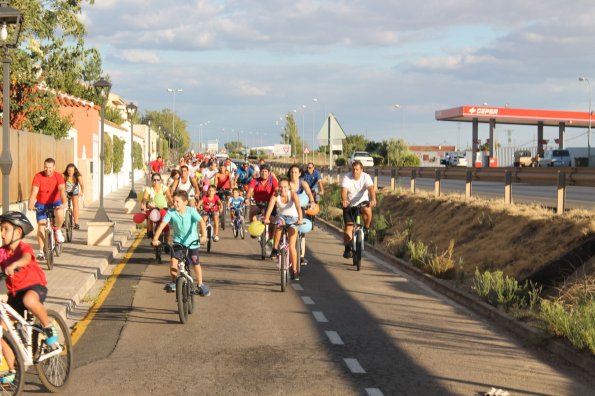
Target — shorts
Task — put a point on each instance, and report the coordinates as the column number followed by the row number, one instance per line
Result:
column 41, row 209
column 349, row 212
column 16, row 301
column 176, row 252
column 289, row 220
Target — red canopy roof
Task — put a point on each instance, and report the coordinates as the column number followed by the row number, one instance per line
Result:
column 507, row 115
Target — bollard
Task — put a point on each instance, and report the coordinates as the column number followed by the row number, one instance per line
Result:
column 338, row 175
column 468, row 188
column 437, row 183
column 393, row 180
column 508, row 187
column 375, row 179
column 561, row 192
column 413, row 176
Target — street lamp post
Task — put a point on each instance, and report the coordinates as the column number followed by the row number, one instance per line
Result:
column 102, row 87
column 149, row 154
column 315, row 100
column 173, row 112
column 303, row 133
column 8, row 16
column 585, row 79
column 131, row 111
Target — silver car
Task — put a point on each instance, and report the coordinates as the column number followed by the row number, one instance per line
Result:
column 556, row 158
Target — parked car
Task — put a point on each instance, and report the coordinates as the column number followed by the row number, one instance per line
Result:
column 454, row 159
column 363, row 156
column 523, row 158
column 220, row 157
column 556, row 158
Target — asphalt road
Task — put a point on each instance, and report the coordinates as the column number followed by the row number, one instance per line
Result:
column 576, row 197
column 336, row 332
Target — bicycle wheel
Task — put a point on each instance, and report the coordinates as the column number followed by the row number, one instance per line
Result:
column 283, row 257
column 68, row 223
column 48, row 248
column 209, row 232
column 263, row 243
column 298, row 248
column 241, row 228
column 17, row 385
column 158, row 254
column 357, row 254
column 182, row 300
column 234, row 228
column 190, row 296
column 54, row 372
column 222, row 217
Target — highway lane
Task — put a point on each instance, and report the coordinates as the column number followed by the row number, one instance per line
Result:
column 576, row 197
column 336, row 332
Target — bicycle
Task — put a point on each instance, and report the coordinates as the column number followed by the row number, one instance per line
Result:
column 26, row 338
column 162, row 237
column 263, row 239
column 223, row 196
column 68, row 220
column 184, row 281
column 237, row 226
column 357, row 240
column 283, row 259
column 51, row 244
column 210, row 236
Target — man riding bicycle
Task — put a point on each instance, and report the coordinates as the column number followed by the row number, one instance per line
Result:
column 357, row 189
column 244, row 176
column 48, row 192
column 314, row 179
column 262, row 189
column 186, row 182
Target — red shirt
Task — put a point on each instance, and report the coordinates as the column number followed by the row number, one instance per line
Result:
column 224, row 183
column 209, row 205
column 157, row 166
column 29, row 275
column 48, row 187
column 263, row 190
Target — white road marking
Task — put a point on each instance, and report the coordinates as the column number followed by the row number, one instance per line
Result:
column 307, row 300
column 319, row 316
column 297, row 286
column 334, row 338
column 354, row 366
column 374, row 392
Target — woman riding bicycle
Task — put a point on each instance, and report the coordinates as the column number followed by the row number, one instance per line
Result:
column 301, row 188
column 148, row 202
column 74, row 190
column 289, row 212
column 211, row 204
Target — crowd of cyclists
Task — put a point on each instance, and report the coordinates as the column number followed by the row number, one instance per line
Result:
column 203, row 186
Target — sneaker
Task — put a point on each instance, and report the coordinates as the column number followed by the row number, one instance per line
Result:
column 216, row 238
column 9, row 377
column 51, row 335
column 77, row 227
column 40, row 255
column 59, row 236
column 303, row 261
column 295, row 275
column 203, row 291
column 170, row 287
column 274, row 254
column 347, row 253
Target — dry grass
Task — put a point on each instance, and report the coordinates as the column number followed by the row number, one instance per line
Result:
column 489, row 235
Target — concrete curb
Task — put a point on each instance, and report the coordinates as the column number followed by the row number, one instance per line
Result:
column 527, row 334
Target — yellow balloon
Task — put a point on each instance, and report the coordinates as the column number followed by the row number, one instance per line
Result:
column 256, row 228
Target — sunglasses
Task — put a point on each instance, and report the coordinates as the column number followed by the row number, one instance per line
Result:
column 156, row 180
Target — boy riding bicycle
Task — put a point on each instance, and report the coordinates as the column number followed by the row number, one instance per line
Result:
column 235, row 204
column 25, row 280
column 185, row 221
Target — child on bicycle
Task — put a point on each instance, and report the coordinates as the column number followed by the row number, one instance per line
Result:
column 211, row 204
column 25, row 280
column 185, row 221
column 235, row 204
column 288, row 212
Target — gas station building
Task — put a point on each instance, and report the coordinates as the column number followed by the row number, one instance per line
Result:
column 506, row 115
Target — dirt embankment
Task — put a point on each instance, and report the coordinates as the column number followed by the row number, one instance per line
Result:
column 489, row 235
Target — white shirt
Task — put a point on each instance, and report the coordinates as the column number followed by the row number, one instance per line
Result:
column 357, row 190
column 288, row 209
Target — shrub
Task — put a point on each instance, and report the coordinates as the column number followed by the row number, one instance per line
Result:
column 441, row 265
column 577, row 324
column 378, row 159
column 499, row 289
column 137, row 156
column 340, row 161
column 108, row 148
column 418, row 253
column 118, row 159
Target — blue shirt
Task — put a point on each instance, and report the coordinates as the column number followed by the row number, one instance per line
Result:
column 185, row 225
column 312, row 179
column 236, row 203
column 244, row 176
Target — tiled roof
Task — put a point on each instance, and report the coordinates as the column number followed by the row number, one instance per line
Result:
column 66, row 100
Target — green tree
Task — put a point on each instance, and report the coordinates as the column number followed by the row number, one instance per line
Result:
column 291, row 135
column 233, row 147
column 398, row 153
column 161, row 121
column 137, row 156
column 51, row 51
column 118, row 159
column 354, row 143
column 108, row 148
column 114, row 115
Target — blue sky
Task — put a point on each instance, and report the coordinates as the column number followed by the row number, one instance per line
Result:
column 243, row 64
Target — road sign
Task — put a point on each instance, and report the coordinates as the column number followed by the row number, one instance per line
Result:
column 306, row 151
column 335, row 131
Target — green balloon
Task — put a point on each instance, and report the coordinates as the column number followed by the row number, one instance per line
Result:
column 160, row 201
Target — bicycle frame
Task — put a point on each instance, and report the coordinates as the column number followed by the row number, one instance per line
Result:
column 7, row 316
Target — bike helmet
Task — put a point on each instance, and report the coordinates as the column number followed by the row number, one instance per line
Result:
column 17, row 219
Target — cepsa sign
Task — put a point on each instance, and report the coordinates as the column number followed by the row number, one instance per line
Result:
column 483, row 111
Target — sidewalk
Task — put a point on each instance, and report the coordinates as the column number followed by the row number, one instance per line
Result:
column 79, row 266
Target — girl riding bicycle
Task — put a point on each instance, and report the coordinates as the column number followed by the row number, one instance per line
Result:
column 211, row 204
column 25, row 281
column 288, row 212
column 185, row 221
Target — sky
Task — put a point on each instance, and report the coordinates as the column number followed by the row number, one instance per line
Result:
column 243, row 65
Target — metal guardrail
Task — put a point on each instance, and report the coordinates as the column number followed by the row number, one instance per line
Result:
column 560, row 177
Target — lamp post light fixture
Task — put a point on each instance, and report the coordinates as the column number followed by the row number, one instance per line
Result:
column 585, row 79
column 131, row 112
column 102, row 87
column 8, row 16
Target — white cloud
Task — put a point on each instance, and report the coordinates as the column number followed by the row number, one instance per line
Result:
column 139, row 56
